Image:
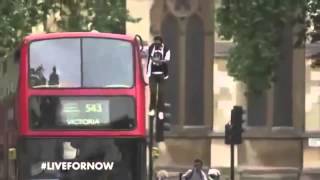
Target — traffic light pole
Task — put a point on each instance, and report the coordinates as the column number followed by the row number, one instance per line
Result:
column 235, row 133
column 151, row 132
column 151, row 121
column 232, row 161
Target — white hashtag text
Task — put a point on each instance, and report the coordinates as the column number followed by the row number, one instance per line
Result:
column 52, row 166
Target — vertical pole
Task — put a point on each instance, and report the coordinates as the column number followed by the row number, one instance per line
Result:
column 232, row 161
column 151, row 130
column 151, row 120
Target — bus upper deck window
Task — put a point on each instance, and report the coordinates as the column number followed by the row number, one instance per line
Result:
column 81, row 62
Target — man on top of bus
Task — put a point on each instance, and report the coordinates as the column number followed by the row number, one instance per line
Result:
column 158, row 58
column 54, row 77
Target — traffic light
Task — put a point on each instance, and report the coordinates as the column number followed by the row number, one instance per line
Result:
column 164, row 124
column 233, row 129
column 159, row 130
column 167, row 117
column 236, row 124
column 227, row 137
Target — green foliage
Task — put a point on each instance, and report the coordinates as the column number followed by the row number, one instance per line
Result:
column 15, row 23
column 313, row 18
column 256, row 28
column 17, row 18
column 101, row 15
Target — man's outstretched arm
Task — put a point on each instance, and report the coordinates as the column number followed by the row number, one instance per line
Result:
column 186, row 175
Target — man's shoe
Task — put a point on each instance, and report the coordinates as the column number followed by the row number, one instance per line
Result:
column 161, row 115
column 151, row 112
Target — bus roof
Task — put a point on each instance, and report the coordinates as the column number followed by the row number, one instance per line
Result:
column 39, row 36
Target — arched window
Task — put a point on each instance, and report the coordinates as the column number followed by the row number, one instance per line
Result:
column 194, row 72
column 170, row 34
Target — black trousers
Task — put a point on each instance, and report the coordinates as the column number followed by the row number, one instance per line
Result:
column 158, row 104
column 159, row 136
column 153, row 94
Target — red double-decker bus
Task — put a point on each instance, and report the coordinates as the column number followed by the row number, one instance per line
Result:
column 78, row 111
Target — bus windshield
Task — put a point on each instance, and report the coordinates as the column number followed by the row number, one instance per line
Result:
column 80, row 159
column 81, row 63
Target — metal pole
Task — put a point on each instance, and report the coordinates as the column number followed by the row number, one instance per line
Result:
column 151, row 130
column 150, row 148
column 232, row 161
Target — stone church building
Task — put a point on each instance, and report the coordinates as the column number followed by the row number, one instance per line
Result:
column 281, row 140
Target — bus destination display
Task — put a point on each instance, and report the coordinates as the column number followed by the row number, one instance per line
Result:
column 89, row 112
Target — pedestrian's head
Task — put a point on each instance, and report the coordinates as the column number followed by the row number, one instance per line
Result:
column 162, row 175
column 158, row 40
column 197, row 163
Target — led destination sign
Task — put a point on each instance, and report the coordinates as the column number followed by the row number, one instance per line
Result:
column 82, row 112
column 85, row 112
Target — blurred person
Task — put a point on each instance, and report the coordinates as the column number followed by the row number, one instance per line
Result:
column 196, row 173
column 54, row 77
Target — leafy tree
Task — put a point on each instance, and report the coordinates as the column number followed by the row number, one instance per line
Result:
column 256, row 28
column 101, row 15
column 18, row 17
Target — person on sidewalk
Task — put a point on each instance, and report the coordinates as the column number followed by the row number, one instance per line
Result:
column 196, row 173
